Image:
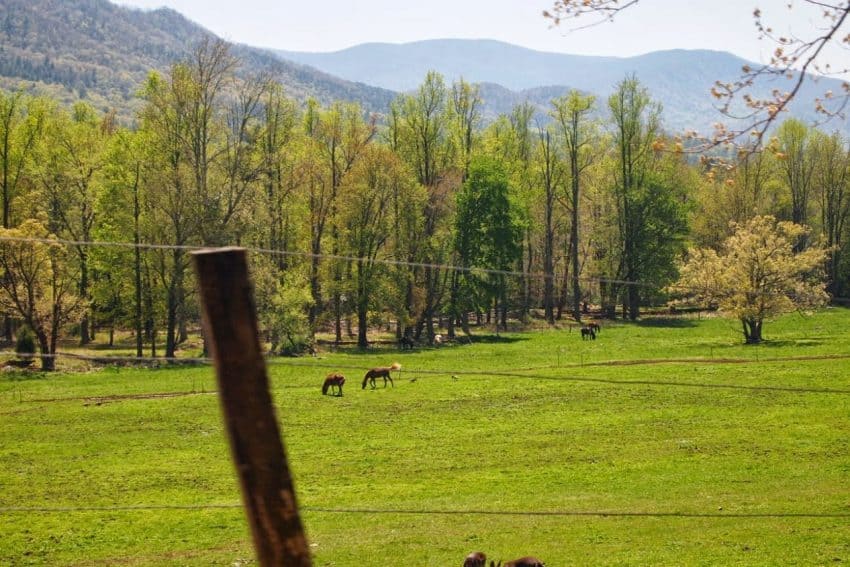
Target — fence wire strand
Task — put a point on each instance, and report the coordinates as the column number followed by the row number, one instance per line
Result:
column 7, row 510
column 430, row 512
column 384, row 261
column 469, row 373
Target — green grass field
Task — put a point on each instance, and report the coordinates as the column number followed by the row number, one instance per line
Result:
column 664, row 416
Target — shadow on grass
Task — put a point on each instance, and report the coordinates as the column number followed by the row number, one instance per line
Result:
column 461, row 340
column 667, row 322
column 491, row 339
column 784, row 343
column 24, row 375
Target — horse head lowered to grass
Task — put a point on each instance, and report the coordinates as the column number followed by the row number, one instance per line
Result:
column 475, row 559
column 334, row 379
column 381, row 372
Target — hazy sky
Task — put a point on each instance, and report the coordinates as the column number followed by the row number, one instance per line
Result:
column 652, row 25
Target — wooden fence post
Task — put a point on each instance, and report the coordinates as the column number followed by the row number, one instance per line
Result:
column 230, row 324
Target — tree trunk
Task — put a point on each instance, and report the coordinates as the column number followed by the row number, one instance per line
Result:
column 48, row 362
column 315, row 292
column 453, row 304
column 362, row 307
column 752, row 331
column 609, row 300
column 562, row 295
column 337, row 301
column 574, row 231
column 85, row 337
column 171, row 323
column 362, row 324
column 549, row 267
column 504, row 312
column 526, row 279
column 137, row 307
column 173, row 305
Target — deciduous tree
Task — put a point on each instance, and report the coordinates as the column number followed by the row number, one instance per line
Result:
column 758, row 273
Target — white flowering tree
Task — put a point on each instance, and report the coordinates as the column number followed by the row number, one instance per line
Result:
column 758, row 273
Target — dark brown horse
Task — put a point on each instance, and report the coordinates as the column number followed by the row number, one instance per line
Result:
column 334, row 379
column 475, row 559
column 381, row 372
column 521, row 562
column 588, row 333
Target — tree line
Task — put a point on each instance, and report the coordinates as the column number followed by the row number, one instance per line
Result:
column 593, row 194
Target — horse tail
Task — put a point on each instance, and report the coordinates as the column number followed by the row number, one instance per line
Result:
column 395, row 366
column 325, row 386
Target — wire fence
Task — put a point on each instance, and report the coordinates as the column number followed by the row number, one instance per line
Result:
column 554, row 374
column 379, row 260
column 455, row 373
column 428, row 511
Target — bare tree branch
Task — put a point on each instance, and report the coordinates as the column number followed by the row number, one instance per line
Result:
column 793, row 58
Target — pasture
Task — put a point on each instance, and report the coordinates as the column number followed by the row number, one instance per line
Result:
column 700, row 449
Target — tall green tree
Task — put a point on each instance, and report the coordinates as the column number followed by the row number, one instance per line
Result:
column 337, row 138
column 22, row 120
column 118, row 290
column 572, row 115
column 70, row 172
column 636, row 125
column 550, row 175
column 832, row 182
column 366, row 213
column 427, row 147
column 171, row 204
column 796, row 162
column 488, row 232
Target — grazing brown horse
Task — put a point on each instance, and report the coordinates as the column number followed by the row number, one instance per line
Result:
column 521, row 562
column 334, row 379
column 381, row 372
column 475, row 559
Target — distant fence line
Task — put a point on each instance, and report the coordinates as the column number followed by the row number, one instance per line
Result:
column 385, row 261
column 517, row 374
column 431, row 512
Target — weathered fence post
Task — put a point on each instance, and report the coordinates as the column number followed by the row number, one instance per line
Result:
column 230, row 324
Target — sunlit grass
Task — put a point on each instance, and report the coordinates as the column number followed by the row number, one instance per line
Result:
column 459, row 437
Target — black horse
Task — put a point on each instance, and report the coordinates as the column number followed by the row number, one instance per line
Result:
column 588, row 333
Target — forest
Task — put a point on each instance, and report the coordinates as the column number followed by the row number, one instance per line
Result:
column 415, row 220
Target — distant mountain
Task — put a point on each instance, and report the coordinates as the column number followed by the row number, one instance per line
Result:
column 680, row 79
column 96, row 50
column 101, row 52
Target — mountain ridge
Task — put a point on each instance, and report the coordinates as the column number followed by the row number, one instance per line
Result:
column 102, row 52
column 680, row 79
